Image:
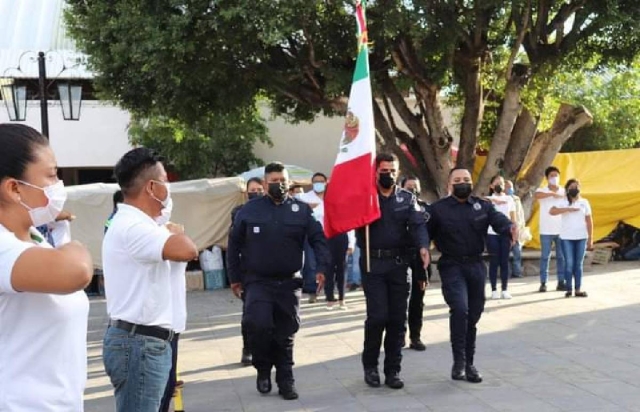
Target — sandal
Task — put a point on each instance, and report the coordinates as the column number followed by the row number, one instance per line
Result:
column 581, row 294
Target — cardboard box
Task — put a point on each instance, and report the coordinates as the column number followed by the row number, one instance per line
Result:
column 602, row 256
column 195, row 281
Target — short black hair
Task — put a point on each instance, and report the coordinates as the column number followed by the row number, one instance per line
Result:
column 274, row 167
column 134, row 164
column 18, row 144
column 458, row 168
column 550, row 170
column 385, row 157
column 405, row 179
column 254, row 180
column 319, row 174
column 118, row 197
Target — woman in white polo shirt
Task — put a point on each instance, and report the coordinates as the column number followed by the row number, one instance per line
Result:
column 576, row 234
column 43, row 308
column 499, row 246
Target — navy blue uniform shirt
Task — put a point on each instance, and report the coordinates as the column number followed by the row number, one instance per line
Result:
column 460, row 228
column 401, row 224
column 267, row 240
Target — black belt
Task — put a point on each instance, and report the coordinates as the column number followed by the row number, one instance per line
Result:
column 388, row 253
column 463, row 259
column 151, row 331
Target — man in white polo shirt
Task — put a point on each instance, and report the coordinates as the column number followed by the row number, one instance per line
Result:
column 552, row 195
column 136, row 255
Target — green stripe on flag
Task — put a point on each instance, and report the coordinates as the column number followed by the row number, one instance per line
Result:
column 362, row 65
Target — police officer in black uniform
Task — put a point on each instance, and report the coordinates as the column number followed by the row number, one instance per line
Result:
column 458, row 225
column 419, row 276
column 254, row 189
column 264, row 259
column 401, row 226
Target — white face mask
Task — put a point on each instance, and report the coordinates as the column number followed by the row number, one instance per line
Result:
column 167, row 205
column 56, row 195
column 553, row 181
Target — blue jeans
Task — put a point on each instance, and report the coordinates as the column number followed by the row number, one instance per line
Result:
column 574, row 251
column 498, row 247
column 138, row 367
column 173, row 376
column 516, row 268
column 633, row 254
column 353, row 268
column 545, row 243
column 309, row 269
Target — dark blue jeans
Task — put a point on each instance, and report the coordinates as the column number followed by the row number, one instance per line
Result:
column 335, row 274
column 574, row 251
column 138, row 367
column 499, row 247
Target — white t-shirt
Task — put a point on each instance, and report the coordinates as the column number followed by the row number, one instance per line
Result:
column 179, row 296
column 550, row 225
column 137, row 281
column 312, row 198
column 574, row 224
column 43, row 341
column 505, row 208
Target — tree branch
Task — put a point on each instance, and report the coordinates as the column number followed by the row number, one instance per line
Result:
column 521, row 33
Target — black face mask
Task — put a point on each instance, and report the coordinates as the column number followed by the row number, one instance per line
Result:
column 254, row 195
column 497, row 189
column 278, row 191
column 573, row 192
column 386, row 181
column 462, row 190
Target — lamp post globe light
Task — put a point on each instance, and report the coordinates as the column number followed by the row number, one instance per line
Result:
column 14, row 96
column 14, row 92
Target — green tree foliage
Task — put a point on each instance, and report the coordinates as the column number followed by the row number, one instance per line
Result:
column 216, row 146
column 185, row 58
column 613, row 97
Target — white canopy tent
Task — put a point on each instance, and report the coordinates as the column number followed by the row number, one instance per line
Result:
column 202, row 206
column 296, row 173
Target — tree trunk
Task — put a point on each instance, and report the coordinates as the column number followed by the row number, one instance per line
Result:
column 436, row 147
column 508, row 116
column 388, row 139
column 473, row 112
column 546, row 146
column 522, row 137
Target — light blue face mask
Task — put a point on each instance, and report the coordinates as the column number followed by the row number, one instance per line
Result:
column 319, row 187
column 510, row 192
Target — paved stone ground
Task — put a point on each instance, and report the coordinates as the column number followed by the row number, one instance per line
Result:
column 538, row 352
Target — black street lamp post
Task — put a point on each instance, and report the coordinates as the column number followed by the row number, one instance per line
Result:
column 14, row 94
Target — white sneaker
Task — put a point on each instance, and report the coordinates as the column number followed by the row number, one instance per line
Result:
column 506, row 295
column 343, row 306
column 495, row 295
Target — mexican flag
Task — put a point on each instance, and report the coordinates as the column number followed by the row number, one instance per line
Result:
column 351, row 200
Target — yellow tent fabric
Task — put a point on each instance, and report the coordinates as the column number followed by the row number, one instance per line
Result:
column 610, row 180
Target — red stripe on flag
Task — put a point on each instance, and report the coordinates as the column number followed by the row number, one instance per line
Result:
column 351, row 200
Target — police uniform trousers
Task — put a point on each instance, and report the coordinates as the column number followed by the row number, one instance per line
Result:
column 463, row 284
column 416, row 299
column 386, row 289
column 271, row 319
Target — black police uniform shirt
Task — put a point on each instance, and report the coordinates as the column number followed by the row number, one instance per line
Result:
column 267, row 240
column 459, row 229
column 400, row 216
